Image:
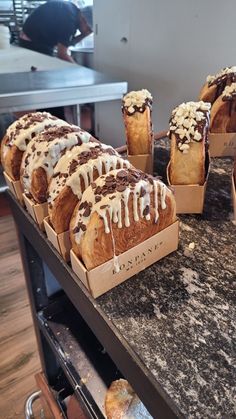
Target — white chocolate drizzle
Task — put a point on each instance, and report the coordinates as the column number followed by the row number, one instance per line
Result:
column 189, row 121
column 111, row 203
column 45, row 151
column 63, row 175
column 22, row 131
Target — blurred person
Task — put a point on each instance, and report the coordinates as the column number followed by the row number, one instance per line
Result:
column 54, row 24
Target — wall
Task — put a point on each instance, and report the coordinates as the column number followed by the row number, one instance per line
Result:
column 172, row 46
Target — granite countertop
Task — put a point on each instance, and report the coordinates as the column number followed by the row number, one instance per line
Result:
column 179, row 315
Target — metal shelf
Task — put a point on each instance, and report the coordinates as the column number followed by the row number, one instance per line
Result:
column 82, row 358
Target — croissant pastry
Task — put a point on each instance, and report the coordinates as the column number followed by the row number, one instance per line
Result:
column 223, row 112
column 118, row 211
column 188, row 133
column 215, row 85
column 122, row 403
column 136, row 108
column 43, row 153
column 73, row 173
column 19, row 134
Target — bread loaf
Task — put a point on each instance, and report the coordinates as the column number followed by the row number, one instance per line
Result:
column 118, row 211
column 43, row 153
column 136, row 108
column 121, row 402
column 19, row 135
column 188, row 134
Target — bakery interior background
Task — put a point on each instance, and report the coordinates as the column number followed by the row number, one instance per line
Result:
column 165, row 46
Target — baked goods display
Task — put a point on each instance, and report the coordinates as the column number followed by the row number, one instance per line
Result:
column 19, row 135
column 223, row 112
column 188, row 133
column 121, row 402
column 43, row 153
column 73, row 173
column 215, row 84
column 118, row 211
column 136, row 108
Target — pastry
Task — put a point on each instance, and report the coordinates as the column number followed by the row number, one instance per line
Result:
column 118, row 211
column 74, row 172
column 215, row 85
column 121, row 402
column 41, row 156
column 136, row 108
column 223, row 112
column 19, row 134
column 188, row 134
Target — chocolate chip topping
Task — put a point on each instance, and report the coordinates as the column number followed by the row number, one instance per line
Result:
column 146, row 210
column 79, row 227
column 124, row 178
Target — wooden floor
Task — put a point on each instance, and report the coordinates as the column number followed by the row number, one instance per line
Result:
column 18, row 352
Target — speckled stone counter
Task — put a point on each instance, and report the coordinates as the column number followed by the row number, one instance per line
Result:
column 179, row 315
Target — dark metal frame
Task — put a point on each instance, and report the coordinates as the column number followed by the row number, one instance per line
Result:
column 35, row 248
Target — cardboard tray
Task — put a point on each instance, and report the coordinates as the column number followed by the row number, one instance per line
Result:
column 60, row 241
column 104, row 277
column 222, row 145
column 15, row 187
column 143, row 162
column 190, row 198
column 234, row 195
column 37, row 211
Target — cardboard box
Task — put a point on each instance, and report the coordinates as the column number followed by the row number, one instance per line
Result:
column 60, row 241
column 234, row 195
column 143, row 162
column 15, row 187
column 37, row 211
column 104, row 277
column 222, row 145
column 189, row 198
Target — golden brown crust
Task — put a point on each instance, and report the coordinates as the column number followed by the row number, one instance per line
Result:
column 12, row 160
column 118, row 399
column 96, row 246
column 189, row 168
column 139, row 134
column 223, row 116
column 39, row 185
column 208, row 93
column 62, row 209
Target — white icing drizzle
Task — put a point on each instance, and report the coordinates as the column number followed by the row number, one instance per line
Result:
column 185, row 121
column 41, row 152
column 115, row 257
column 21, row 135
column 141, row 199
column 104, row 162
column 229, row 91
column 136, row 99
column 227, row 70
column 155, row 185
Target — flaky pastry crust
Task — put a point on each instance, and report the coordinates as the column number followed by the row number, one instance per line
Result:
column 138, row 128
column 187, row 169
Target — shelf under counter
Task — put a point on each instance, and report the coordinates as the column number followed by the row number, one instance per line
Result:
column 170, row 328
column 83, row 359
